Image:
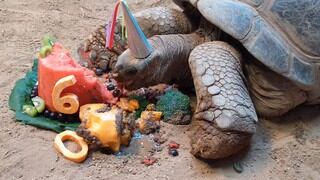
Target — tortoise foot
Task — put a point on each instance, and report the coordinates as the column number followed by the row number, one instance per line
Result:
column 209, row 142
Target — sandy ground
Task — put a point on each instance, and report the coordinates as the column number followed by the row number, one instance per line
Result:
column 286, row 149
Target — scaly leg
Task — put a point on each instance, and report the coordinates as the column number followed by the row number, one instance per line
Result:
column 272, row 94
column 225, row 115
column 153, row 21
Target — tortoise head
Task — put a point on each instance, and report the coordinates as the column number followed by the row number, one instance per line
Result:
column 133, row 67
column 134, row 73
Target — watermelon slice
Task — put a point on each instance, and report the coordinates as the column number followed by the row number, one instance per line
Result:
column 59, row 64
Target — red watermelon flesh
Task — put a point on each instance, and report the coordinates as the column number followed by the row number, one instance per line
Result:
column 59, row 64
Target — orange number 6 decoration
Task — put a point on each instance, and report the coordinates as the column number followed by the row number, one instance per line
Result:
column 69, row 103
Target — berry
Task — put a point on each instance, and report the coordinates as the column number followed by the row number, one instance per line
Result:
column 61, row 117
column 46, row 113
column 110, row 87
column 173, row 152
column 33, row 91
column 52, row 115
column 116, row 93
column 35, row 88
column 99, row 72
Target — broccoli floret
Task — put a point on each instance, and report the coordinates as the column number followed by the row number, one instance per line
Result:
column 175, row 107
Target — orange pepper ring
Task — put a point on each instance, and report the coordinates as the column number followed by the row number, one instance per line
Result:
column 72, row 136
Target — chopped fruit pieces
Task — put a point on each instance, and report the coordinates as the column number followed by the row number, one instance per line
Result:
column 72, row 136
column 102, row 124
column 47, row 41
column 128, row 105
column 148, row 161
column 109, row 126
column 174, row 145
column 149, row 121
column 30, row 110
column 45, row 51
column 151, row 115
column 59, row 64
column 39, row 104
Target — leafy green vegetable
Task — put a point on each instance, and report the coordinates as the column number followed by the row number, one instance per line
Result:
column 143, row 102
column 20, row 96
column 173, row 102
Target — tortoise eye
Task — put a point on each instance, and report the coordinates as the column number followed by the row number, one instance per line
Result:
column 131, row 71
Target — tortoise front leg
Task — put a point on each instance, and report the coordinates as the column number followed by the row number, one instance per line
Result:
column 153, row 21
column 225, row 115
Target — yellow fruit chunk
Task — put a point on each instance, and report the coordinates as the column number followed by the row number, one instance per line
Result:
column 72, row 136
column 148, row 121
column 85, row 110
column 128, row 105
column 151, row 115
column 102, row 124
column 69, row 103
column 126, row 137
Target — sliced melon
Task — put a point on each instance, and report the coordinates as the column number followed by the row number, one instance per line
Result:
column 59, row 64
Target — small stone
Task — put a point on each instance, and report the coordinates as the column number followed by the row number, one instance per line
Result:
column 157, row 148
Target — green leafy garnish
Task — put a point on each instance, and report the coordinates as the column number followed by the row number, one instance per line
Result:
column 143, row 102
column 173, row 102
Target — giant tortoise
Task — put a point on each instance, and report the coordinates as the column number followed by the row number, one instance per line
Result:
column 243, row 57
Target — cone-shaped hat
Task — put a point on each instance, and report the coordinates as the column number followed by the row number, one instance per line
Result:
column 138, row 44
